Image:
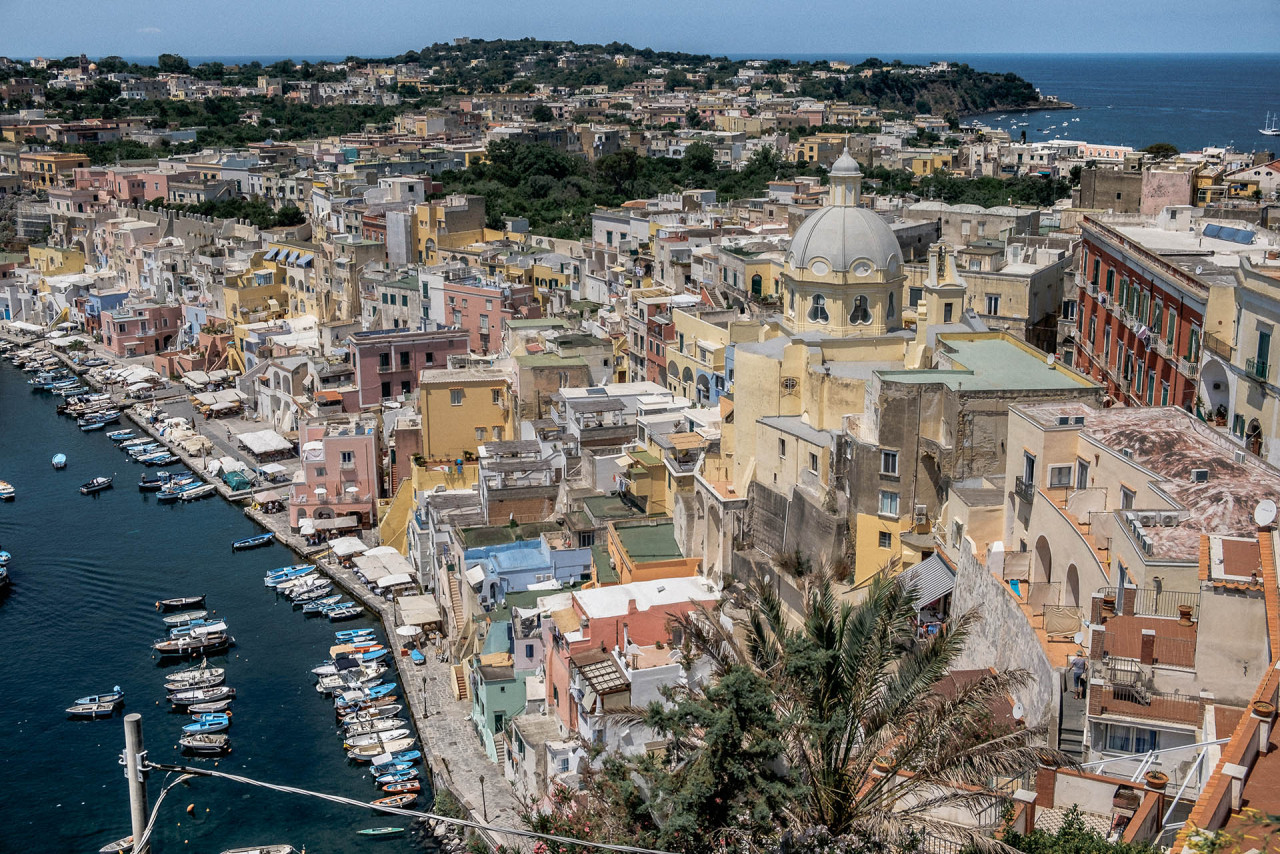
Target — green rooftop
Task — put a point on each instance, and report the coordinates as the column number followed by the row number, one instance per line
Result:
column 604, row 508
column 497, row 535
column 642, row 456
column 536, row 323
column 12, row 258
column 649, row 541
column 525, row 599
column 606, row 572
column 992, row 364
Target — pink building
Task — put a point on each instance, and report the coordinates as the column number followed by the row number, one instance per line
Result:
column 479, row 305
column 142, row 329
column 388, row 361
column 337, row 487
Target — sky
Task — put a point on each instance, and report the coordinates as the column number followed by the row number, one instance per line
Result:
column 755, row 27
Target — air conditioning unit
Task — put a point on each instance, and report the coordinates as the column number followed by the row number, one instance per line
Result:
column 1148, row 520
column 1127, row 453
column 1239, row 456
column 921, row 514
column 1169, row 520
column 1200, row 475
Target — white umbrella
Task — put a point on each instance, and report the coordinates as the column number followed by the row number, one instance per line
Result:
column 352, row 490
column 320, row 490
column 407, row 631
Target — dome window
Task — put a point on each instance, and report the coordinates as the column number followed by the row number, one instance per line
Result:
column 861, row 313
column 818, row 309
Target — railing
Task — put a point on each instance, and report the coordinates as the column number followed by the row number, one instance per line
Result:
column 1141, row 702
column 1166, row 651
column 1149, row 602
column 1257, row 368
column 1024, row 489
column 1214, row 344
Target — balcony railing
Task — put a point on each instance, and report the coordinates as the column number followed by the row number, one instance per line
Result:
column 1149, row 602
column 1257, row 368
column 1136, row 701
column 1024, row 489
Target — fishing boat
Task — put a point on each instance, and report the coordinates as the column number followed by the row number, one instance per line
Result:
column 199, row 696
column 92, row 710
column 368, row 752
column 180, row 602
column 298, row 584
column 198, row 627
column 98, row 484
column 183, row 618
column 206, row 708
column 372, row 727
column 312, row 594
column 318, row 605
column 403, row 786
column 7, row 492
column 352, row 635
column 253, row 542
column 209, row 681
column 372, row 714
column 262, row 849
column 151, row 484
column 357, row 702
column 338, row 615
column 395, row 800
column 120, row 846
column 59, row 461
column 216, row 722
column 195, row 672
column 206, row 742
column 379, row 770
column 279, row 576
column 381, row 831
column 201, row 491
column 115, row 695
column 120, row 435
column 376, row 738
column 193, row 645
column 397, row 776
column 92, row 425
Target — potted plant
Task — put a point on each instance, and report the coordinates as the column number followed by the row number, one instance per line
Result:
column 1156, row 780
column 881, row 766
column 1220, row 416
column 1184, row 615
column 1263, row 709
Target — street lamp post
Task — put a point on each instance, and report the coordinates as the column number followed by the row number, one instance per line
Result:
column 484, row 806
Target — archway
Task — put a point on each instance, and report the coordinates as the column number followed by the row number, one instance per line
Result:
column 704, row 388
column 1253, row 437
column 1215, row 390
column 1042, row 562
column 1072, row 593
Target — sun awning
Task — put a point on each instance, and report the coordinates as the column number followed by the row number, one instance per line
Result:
column 395, row 580
column 931, row 579
column 270, row 495
column 272, row 468
column 475, row 575
column 265, row 442
column 418, row 610
column 337, row 524
column 347, row 546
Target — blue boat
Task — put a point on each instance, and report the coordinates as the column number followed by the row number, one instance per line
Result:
column 115, row 695
column 389, row 768
column 398, row 776
column 210, row 724
column 320, row 604
column 93, row 425
column 339, row 606
column 380, row 690
column 416, row 656
column 277, row 576
column 5, row 557
column 120, row 435
column 253, row 542
column 59, row 461
column 352, row 634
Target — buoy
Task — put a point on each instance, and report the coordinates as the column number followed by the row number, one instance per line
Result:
column 191, row 809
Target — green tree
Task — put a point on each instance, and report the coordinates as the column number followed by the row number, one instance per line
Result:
column 1073, row 837
column 1162, row 150
column 542, row 113
column 172, row 63
column 699, row 158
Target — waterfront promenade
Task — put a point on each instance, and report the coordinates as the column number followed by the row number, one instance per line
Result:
column 453, row 750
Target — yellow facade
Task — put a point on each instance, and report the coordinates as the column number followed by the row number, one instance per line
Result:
column 256, row 294
column 302, row 295
column 461, row 409
column 52, row 261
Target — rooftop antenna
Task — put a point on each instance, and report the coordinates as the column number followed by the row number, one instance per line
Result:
column 1265, row 513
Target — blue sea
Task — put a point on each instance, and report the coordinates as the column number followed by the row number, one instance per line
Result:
column 1189, row 100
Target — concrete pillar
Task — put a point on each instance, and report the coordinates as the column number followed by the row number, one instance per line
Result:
column 1027, row 819
column 1126, row 607
column 1046, row 782
column 1095, row 609
column 1236, row 773
column 1147, row 654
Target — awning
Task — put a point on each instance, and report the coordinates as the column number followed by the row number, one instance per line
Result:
column 270, row 495
column 347, row 546
column 272, row 468
column 418, row 611
column 475, row 575
column 307, row 527
column 930, row 580
column 271, row 253
column 328, row 396
column 24, row 326
column 223, row 407
column 395, row 580
column 265, row 442
column 337, row 524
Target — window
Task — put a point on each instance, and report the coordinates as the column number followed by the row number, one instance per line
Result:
column 386, row 390
column 889, row 462
column 1069, row 309
column 528, row 650
column 1171, row 333
column 564, row 760
column 348, row 457
column 497, row 434
column 1193, row 345
column 782, row 448
column 1097, row 265
column 914, row 295
column 888, row 503
column 1118, row 738
column 480, row 433
column 813, row 462
column 891, row 310
column 886, row 540
column 1151, row 386
column 1093, row 328
column 861, row 313
column 1126, row 498
column 404, row 359
column 1164, row 394
column 1028, row 468
column 818, row 309
column 993, row 303
column 1111, row 281
column 405, row 386
column 404, row 300
column 384, row 360
column 1082, row 474
column 1059, row 477
column 455, row 397
column 947, row 309
column 1237, row 425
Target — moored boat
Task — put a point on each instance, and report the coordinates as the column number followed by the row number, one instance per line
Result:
column 318, row 605
column 337, row 615
column 92, row 710
column 403, row 786
column 404, row 776
column 209, row 681
column 262, row 849
column 201, row 696
column 184, row 618
column 120, row 435
column 7, row 491
column 117, row 847
column 376, row 738
column 388, row 711
column 206, row 742
column 381, row 831
column 201, row 491
column 253, row 542
column 211, row 723
column 206, row 708
column 395, row 800
column 195, row 672
column 115, row 695
column 179, row 602
column 193, row 645
column 98, row 484
column 368, row 752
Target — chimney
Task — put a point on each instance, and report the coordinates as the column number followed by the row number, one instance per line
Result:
column 1147, row 655
column 1236, row 773
column 1046, row 782
column 1027, row 821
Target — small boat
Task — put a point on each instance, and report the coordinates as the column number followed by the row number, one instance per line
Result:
column 198, row 627
column 120, row 846
column 59, row 461
column 376, row 738
column 253, row 542
column 381, row 831
column 5, row 557
column 368, row 752
column 288, row 573
column 195, row 672
column 115, row 695
column 416, row 656
column 312, row 594
column 96, row 485
column 92, row 710
column 338, row 615
column 403, row 786
column 206, row 742
column 318, row 605
column 198, row 696
column 398, row 776
column 120, row 435
column 7, row 492
column 351, row 635
column 184, row 618
column 194, row 645
column 262, row 849
column 395, row 801
column 216, row 722
column 180, row 602
column 207, row 708
column 213, row 679
column 372, row 727
column 372, row 714
column 93, row 425
column 382, row 769
column 198, row 492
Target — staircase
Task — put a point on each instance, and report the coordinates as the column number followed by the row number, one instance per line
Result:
column 500, row 749
column 460, row 683
column 1071, row 722
column 455, row 605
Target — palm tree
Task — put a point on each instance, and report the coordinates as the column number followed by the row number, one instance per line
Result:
column 877, row 739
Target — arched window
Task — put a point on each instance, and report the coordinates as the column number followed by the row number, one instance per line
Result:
column 818, row 309
column 757, row 286
column 687, row 376
column 861, row 313
column 890, row 312
column 791, row 302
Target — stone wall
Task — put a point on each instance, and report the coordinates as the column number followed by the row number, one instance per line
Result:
column 781, row 525
column 1005, row 640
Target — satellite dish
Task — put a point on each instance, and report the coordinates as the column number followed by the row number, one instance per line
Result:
column 1078, row 638
column 1265, row 513
column 1018, row 712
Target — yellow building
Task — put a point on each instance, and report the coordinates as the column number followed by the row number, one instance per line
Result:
column 293, row 263
column 53, row 261
column 645, row 479
column 449, row 223
column 463, row 408
column 256, row 294
column 44, row 169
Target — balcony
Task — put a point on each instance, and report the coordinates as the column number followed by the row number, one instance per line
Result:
column 1024, row 489
column 1257, row 369
column 1136, row 701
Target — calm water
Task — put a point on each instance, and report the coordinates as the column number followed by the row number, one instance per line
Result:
column 79, row 619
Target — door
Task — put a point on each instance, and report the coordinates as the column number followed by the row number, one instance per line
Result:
column 1082, row 474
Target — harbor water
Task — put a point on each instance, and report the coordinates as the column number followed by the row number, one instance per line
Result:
column 79, row 619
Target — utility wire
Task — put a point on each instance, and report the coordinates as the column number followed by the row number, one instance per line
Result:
column 339, row 799
column 139, row 845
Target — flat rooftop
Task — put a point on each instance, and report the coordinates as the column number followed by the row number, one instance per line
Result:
column 615, row 601
column 991, row 362
column 649, row 540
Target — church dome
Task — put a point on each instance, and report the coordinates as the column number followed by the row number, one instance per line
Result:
column 842, row 235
